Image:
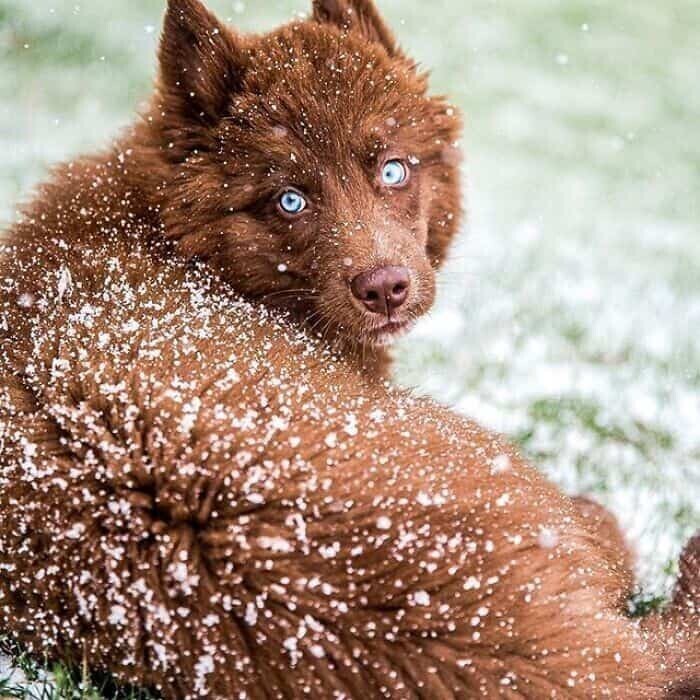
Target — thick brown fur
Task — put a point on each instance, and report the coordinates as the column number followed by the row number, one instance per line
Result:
column 198, row 496
column 200, row 499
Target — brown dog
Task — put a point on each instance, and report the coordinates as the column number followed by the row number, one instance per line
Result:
column 196, row 496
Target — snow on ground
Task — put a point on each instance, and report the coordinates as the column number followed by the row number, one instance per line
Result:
column 15, row 683
column 9, row 674
column 568, row 315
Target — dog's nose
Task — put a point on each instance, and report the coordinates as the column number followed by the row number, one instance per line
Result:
column 383, row 290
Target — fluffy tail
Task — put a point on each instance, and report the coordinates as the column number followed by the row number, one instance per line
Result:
column 686, row 601
column 680, row 627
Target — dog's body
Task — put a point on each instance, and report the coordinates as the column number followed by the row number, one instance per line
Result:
column 197, row 496
column 200, row 499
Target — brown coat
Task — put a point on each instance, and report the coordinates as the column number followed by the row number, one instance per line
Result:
column 198, row 497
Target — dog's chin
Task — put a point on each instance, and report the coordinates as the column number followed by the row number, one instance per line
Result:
column 387, row 334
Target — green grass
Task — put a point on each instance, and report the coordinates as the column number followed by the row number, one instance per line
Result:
column 568, row 317
column 33, row 680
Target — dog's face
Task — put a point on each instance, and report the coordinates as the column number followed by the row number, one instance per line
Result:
column 309, row 165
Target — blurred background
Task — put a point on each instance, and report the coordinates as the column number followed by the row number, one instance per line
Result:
column 569, row 316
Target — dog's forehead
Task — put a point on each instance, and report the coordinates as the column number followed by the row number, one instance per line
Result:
column 333, row 91
column 322, row 72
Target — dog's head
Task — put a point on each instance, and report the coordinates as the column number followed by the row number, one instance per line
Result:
column 309, row 164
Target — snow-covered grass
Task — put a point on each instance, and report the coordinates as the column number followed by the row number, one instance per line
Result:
column 568, row 316
column 22, row 678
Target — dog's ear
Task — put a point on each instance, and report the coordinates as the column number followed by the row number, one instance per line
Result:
column 201, row 61
column 356, row 15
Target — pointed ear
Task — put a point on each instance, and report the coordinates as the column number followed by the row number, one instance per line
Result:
column 356, row 15
column 201, row 62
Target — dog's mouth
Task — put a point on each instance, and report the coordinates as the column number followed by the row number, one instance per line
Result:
column 389, row 332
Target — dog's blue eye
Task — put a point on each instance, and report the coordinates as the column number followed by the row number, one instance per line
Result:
column 292, row 202
column 394, row 173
